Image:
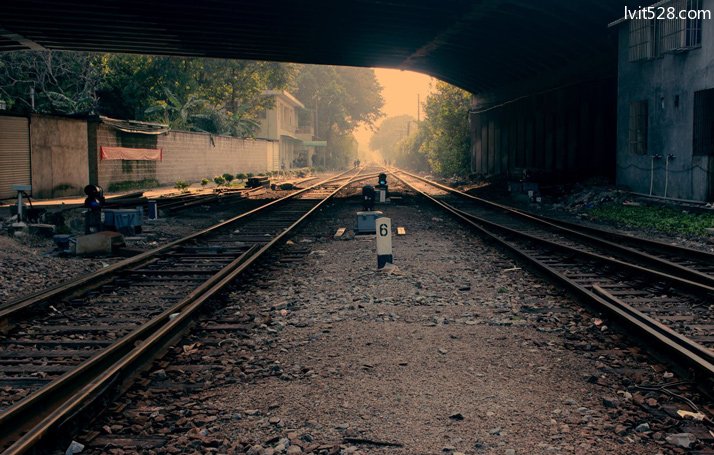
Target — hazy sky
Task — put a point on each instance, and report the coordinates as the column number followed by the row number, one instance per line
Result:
column 400, row 89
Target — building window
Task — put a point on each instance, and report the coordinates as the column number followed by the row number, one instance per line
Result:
column 652, row 37
column 641, row 38
column 703, row 123
column 679, row 34
column 693, row 27
column 638, row 127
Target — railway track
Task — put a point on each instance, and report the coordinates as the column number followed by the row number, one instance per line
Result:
column 664, row 293
column 66, row 348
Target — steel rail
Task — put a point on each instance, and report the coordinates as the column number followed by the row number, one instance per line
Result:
column 16, row 307
column 664, row 265
column 38, row 416
column 686, row 351
column 682, row 251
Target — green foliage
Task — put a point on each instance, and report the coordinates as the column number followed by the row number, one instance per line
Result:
column 447, row 141
column 338, row 100
column 410, row 154
column 132, row 185
column 200, row 94
column 249, row 175
column 664, row 219
column 63, row 82
column 241, row 176
column 180, row 115
column 219, row 180
column 229, row 177
column 439, row 143
column 205, row 181
column 182, row 185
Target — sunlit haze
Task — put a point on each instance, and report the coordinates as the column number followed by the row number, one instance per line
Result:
column 401, row 91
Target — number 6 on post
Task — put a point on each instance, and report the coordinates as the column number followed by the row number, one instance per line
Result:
column 384, row 241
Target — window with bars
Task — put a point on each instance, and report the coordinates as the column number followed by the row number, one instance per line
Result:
column 693, row 27
column 679, row 34
column 641, row 39
column 638, row 127
column 650, row 38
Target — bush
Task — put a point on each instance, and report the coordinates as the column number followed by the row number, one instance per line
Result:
column 229, row 177
column 181, row 185
column 205, row 182
column 249, row 175
column 220, row 180
column 241, row 176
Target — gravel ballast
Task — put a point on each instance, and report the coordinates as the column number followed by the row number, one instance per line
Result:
column 455, row 350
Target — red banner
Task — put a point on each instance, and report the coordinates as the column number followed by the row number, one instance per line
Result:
column 126, row 153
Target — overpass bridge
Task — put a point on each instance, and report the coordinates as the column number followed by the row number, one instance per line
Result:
column 534, row 66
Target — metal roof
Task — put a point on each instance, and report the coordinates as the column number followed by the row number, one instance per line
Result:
column 135, row 126
column 480, row 45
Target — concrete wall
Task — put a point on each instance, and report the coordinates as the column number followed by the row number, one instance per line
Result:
column 563, row 134
column 59, row 156
column 186, row 156
column 670, row 127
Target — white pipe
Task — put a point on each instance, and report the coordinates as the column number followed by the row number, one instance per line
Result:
column 666, row 176
column 666, row 173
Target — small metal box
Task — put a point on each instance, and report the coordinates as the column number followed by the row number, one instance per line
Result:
column 365, row 221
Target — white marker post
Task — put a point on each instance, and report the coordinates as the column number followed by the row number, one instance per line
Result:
column 383, row 227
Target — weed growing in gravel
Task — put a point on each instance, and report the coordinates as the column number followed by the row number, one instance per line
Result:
column 182, row 185
column 664, row 219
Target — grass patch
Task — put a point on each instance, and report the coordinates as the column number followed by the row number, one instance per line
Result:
column 133, row 185
column 664, row 219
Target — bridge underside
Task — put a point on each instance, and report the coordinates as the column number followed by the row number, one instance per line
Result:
column 531, row 64
column 482, row 45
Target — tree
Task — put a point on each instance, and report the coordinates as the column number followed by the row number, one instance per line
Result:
column 179, row 114
column 390, row 133
column 447, row 140
column 409, row 151
column 230, row 91
column 338, row 99
column 59, row 82
column 440, row 143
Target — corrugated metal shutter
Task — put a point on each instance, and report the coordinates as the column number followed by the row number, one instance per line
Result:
column 14, row 154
